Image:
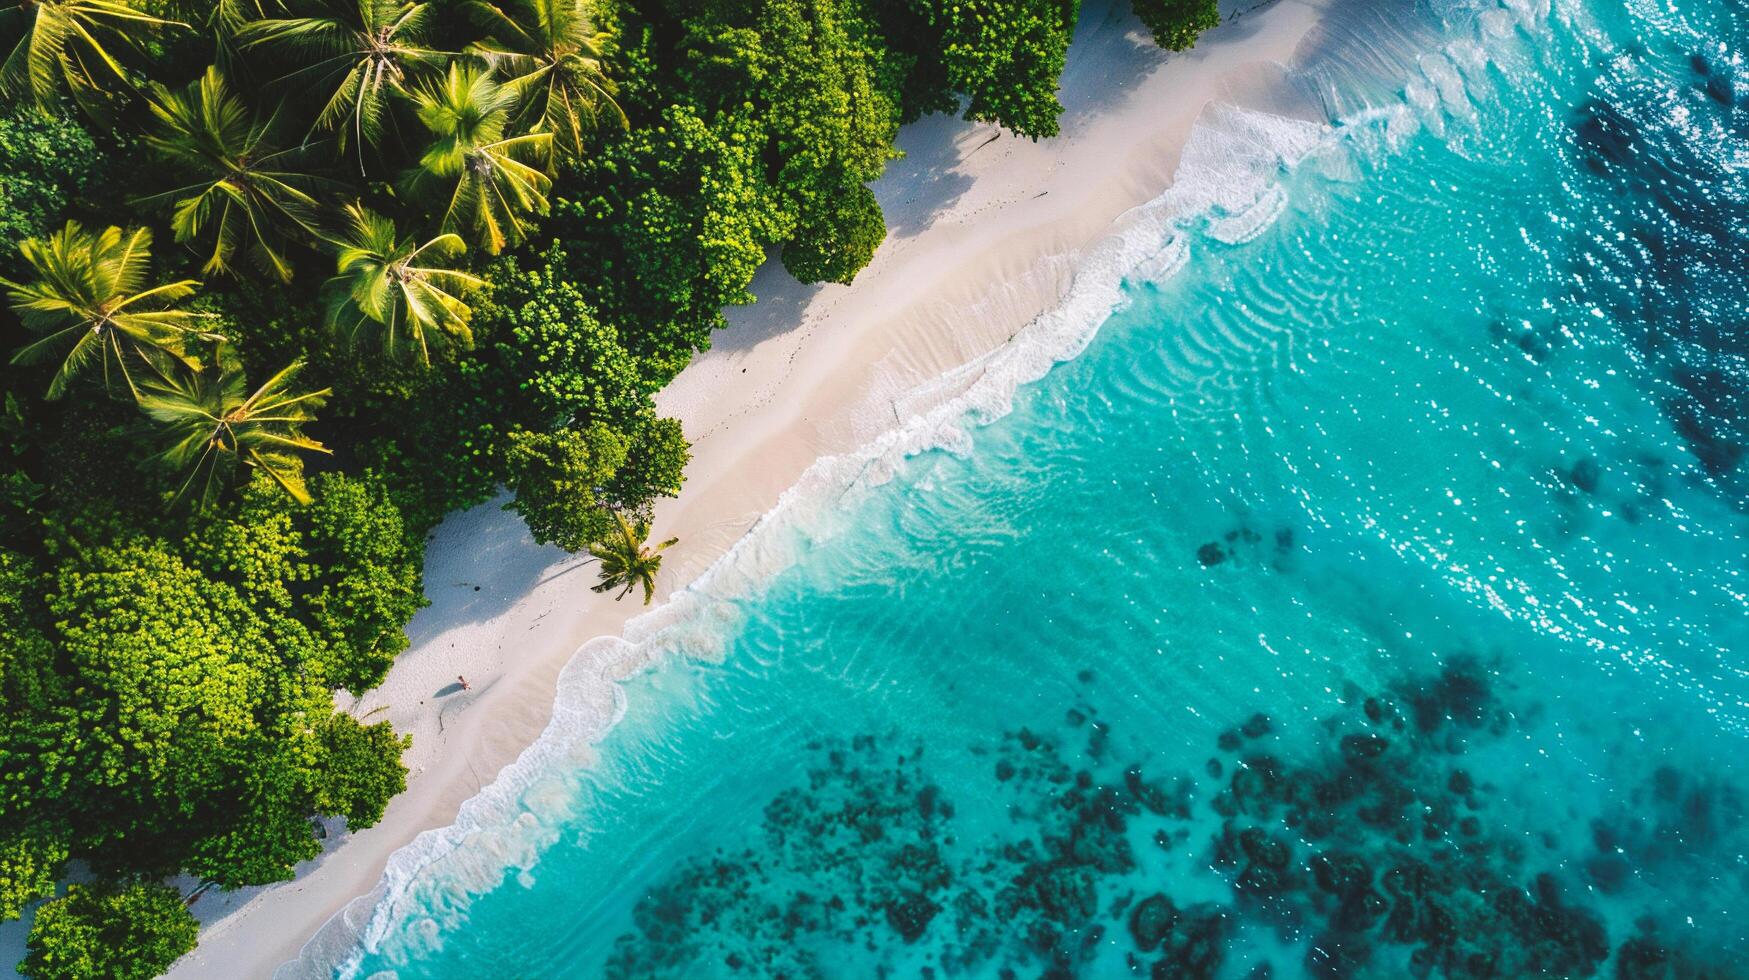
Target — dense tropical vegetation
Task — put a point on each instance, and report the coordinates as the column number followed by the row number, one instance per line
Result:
column 288, row 280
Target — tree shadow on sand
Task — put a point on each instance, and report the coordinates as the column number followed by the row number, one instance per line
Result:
column 479, row 563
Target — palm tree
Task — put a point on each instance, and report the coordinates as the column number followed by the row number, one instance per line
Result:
column 551, row 54
column 214, row 428
column 60, row 43
column 626, row 562
column 89, row 298
column 490, row 183
column 391, row 282
column 223, row 19
column 245, row 193
column 358, row 51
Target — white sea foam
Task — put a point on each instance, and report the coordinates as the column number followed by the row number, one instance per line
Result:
column 1227, row 189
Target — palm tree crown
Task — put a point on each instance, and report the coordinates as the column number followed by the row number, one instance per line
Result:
column 491, row 185
column 626, row 562
column 359, row 51
column 90, row 298
column 245, row 192
column 59, row 44
column 214, row 427
column 398, row 285
column 551, row 54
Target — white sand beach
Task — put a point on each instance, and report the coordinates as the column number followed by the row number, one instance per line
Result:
column 984, row 228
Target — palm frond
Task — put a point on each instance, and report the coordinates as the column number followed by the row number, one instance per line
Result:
column 410, row 306
column 63, row 47
column 362, row 54
column 215, row 432
column 248, row 196
column 88, row 304
column 550, row 52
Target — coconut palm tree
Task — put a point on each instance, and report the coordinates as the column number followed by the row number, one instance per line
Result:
column 398, row 286
column 490, row 180
column 626, row 562
column 359, row 52
column 53, row 45
column 90, row 301
column 215, row 429
column 245, row 194
column 551, row 53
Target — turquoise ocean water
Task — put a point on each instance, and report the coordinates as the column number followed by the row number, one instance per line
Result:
column 1367, row 599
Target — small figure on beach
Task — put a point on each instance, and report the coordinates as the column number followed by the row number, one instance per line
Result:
column 463, row 681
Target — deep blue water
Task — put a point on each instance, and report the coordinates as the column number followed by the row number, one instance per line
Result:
column 1367, row 599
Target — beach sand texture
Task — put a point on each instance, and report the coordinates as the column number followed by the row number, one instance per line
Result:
column 984, row 229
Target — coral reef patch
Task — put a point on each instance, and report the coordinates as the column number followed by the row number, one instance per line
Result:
column 1371, row 845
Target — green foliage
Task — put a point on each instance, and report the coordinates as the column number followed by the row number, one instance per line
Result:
column 246, row 194
column 358, row 53
column 834, row 244
column 672, row 230
column 215, row 429
column 1177, row 23
column 345, row 565
column 195, row 725
column 401, row 288
column 90, row 301
column 365, row 577
column 267, row 832
column 57, row 47
column 361, row 772
column 569, row 366
column 29, row 865
column 33, row 845
column 173, row 665
column 485, row 177
column 654, row 463
column 104, row 933
column 47, row 159
column 810, row 84
column 551, row 54
column 626, row 563
column 1004, row 56
column 559, row 478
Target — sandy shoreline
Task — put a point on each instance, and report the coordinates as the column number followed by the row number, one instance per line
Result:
column 983, row 233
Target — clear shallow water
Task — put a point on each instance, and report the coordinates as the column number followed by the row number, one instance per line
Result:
column 1366, row 600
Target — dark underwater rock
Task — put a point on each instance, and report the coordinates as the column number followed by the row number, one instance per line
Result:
column 1064, row 892
column 910, row 913
column 1720, row 90
column 1374, row 709
column 1337, row 956
column 1459, row 694
column 1606, row 136
column 1585, row 475
column 1264, row 849
column 1372, row 849
column 1341, row 872
column 1196, row 946
column 1361, row 747
column 1704, row 416
column 1151, row 921
column 1460, row 782
column 1211, row 554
